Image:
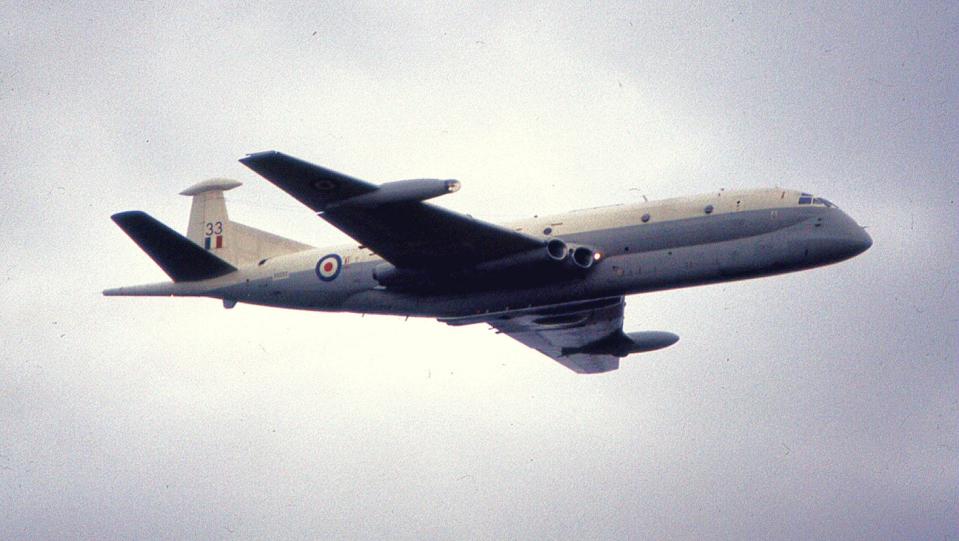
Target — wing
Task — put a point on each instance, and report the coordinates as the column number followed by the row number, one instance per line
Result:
column 564, row 332
column 585, row 336
column 411, row 234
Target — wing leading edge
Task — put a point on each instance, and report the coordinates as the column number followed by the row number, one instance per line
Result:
column 408, row 234
column 587, row 337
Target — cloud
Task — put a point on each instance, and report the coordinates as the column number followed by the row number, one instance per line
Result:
column 820, row 402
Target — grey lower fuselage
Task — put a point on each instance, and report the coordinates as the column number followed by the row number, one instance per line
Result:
column 637, row 256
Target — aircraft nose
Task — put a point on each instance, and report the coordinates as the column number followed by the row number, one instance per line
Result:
column 836, row 237
column 862, row 241
column 854, row 240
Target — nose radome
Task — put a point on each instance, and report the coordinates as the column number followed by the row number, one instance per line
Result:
column 856, row 238
column 865, row 241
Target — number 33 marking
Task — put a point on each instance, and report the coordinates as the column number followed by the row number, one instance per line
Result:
column 214, row 228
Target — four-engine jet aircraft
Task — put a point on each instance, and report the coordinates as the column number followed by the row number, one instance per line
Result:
column 554, row 283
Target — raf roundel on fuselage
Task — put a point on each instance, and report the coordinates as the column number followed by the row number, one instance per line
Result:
column 328, row 267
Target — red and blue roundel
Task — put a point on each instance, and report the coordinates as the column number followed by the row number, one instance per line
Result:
column 328, row 267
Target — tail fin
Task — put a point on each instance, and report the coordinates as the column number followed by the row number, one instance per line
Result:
column 211, row 229
column 182, row 260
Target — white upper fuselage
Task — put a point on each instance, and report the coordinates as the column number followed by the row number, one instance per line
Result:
column 617, row 216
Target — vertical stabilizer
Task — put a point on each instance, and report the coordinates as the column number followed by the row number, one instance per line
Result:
column 210, row 225
column 211, row 229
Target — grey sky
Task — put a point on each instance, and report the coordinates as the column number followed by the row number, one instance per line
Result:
column 811, row 405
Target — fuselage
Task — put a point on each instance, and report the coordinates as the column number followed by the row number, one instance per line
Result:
column 648, row 246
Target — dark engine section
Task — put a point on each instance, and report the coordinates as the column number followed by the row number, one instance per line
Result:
column 555, row 261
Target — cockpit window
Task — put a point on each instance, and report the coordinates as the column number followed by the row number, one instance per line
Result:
column 821, row 201
column 809, row 199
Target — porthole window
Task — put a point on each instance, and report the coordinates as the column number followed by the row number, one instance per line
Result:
column 645, row 217
column 548, row 231
column 708, row 209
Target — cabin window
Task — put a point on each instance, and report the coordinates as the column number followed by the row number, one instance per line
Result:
column 645, row 217
column 708, row 209
column 805, row 200
column 548, row 231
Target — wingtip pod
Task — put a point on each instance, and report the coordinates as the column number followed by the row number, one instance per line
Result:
column 621, row 344
column 651, row 340
column 399, row 192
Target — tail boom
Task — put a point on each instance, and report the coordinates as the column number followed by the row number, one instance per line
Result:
column 168, row 289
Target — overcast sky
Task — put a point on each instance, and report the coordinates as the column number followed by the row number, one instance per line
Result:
column 818, row 404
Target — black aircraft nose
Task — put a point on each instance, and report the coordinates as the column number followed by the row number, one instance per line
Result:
column 850, row 245
column 854, row 238
column 860, row 240
column 834, row 237
column 846, row 238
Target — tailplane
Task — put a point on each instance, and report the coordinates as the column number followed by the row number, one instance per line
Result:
column 182, row 260
column 210, row 228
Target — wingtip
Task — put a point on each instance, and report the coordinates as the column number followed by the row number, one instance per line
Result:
column 254, row 156
column 126, row 214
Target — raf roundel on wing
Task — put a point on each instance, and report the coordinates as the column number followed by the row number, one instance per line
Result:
column 328, row 267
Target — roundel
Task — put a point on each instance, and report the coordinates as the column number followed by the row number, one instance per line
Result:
column 325, row 185
column 328, row 267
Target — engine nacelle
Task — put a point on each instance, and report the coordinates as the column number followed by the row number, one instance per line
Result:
column 388, row 275
column 583, row 257
column 557, row 250
column 543, row 262
column 400, row 191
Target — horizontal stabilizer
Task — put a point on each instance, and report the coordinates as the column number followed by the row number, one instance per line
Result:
column 178, row 256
